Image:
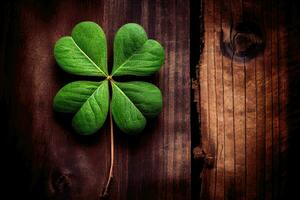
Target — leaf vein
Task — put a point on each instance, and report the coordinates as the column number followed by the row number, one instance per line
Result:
column 93, row 63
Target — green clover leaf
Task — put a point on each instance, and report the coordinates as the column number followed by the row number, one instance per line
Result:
column 85, row 53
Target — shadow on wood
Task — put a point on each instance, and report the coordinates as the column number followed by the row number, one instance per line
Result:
column 247, row 102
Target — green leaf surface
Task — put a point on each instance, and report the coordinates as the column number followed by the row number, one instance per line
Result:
column 89, row 100
column 145, row 96
column 134, row 53
column 132, row 102
column 85, row 53
column 126, row 115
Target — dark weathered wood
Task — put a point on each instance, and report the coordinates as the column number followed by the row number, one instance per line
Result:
column 50, row 162
column 244, row 102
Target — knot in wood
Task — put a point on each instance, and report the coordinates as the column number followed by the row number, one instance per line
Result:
column 60, row 183
column 200, row 155
column 242, row 43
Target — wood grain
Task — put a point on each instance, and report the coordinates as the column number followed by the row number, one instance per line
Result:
column 49, row 161
column 243, row 103
column 248, row 109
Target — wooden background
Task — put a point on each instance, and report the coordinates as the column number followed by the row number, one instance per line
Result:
column 249, row 107
column 243, row 115
column 49, row 161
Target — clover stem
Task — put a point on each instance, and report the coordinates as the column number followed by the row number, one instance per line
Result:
column 105, row 192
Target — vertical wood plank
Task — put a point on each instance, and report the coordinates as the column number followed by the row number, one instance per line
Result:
column 239, row 92
column 251, row 117
column 220, row 158
column 203, row 73
column 275, row 100
column 269, row 105
column 211, row 78
column 285, row 58
column 249, row 95
column 60, row 165
column 229, row 144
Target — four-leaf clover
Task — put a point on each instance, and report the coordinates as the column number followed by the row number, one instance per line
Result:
column 85, row 53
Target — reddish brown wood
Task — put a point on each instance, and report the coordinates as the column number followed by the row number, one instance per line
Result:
column 243, row 107
column 249, row 110
column 51, row 162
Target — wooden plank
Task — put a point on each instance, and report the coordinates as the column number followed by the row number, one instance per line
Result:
column 275, row 101
column 229, row 144
column 251, row 132
column 203, row 74
column 60, row 165
column 251, row 114
column 254, row 93
column 268, row 65
column 220, row 158
column 260, row 126
column 239, row 98
column 211, row 82
column 286, row 179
